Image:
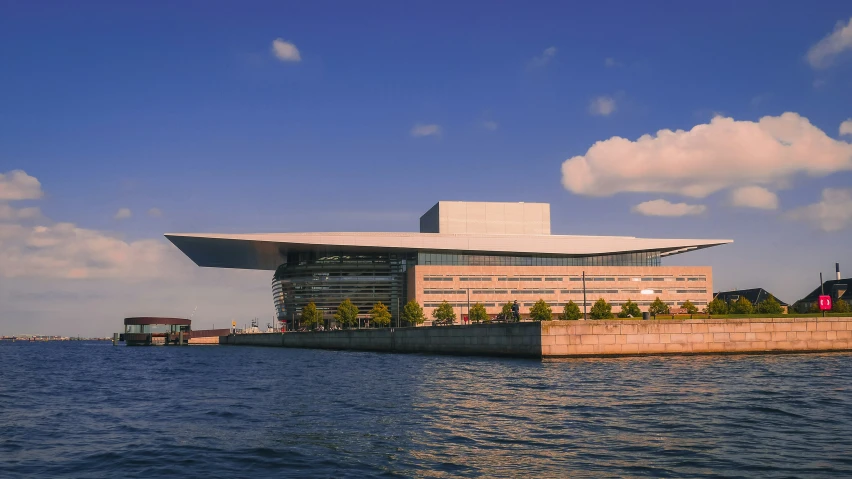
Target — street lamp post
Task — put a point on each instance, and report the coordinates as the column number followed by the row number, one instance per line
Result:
column 584, row 295
column 468, row 306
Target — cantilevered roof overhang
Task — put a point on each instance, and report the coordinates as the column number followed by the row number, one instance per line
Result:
column 269, row 250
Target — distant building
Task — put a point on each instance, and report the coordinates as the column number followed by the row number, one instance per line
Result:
column 754, row 295
column 836, row 288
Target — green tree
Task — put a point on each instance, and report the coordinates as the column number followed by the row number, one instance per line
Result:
column 444, row 314
column 601, row 310
column 840, row 306
column 658, row 307
column 717, row 306
column 379, row 315
column 630, row 310
column 571, row 312
column 311, row 317
column 741, row 306
column 813, row 307
column 506, row 312
column 412, row 313
column 689, row 307
column 347, row 314
column 769, row 305
column 478, row 314
column 541, row 311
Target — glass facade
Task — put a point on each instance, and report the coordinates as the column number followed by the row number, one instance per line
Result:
column 155, row 328
column 365, row 279
column 460, row 258
column 328, row 279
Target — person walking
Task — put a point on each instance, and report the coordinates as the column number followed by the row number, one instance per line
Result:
column 516, row 311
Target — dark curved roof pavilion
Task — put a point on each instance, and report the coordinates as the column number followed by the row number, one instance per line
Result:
column 148, row 320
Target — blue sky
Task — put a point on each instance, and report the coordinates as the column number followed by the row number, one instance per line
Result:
column 187, row 109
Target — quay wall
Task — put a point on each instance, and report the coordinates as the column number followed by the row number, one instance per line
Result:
column 695, row 336
column 554, row 339
column 516, row 339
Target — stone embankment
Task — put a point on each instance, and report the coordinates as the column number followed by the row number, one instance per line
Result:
column 553, row 339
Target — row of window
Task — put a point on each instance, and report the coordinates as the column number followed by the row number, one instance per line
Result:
column 563, row 291
column 570, row 278
column 461, row 258
column 556, row 307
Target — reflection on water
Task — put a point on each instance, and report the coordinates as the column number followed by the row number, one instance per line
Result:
column 93, row 410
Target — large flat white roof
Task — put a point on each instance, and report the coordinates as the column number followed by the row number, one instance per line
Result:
column 269, row 250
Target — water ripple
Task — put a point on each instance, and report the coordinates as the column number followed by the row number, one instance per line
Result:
column 92, row 410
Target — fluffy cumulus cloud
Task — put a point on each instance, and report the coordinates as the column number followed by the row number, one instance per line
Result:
column 123, row 214
column 823, row 54
column 754, row 197
column 64, row 250
column 846, row 127
column 18, row 185
column 666, row 208
column 8, row 213
column 420, row 130
column 543, row 59
column 602, row 106
column 285, row 51
column 832, row 213
column 723, row 154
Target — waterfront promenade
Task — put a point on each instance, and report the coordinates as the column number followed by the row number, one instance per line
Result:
column 553, row 339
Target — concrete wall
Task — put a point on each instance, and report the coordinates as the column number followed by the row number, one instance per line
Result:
column 695, row 336
column 583, row 338
column 472, row 217
column 519, row 339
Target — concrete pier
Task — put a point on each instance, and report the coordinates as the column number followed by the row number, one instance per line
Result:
column 554, row 339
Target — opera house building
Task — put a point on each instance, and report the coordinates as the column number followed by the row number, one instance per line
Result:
column 465, row 252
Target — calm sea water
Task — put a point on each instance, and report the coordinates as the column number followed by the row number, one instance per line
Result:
column 88, row 409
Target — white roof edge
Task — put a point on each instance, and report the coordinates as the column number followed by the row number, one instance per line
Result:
column 264, row 236
column 545, row 244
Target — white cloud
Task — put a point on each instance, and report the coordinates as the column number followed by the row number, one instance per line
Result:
column 122, row 214
column 602, row 106
column 64, row 250
column 665, row 208
column 846, row 127
column 822, row 54
column 285, row 51
column 7, row 213
column 60, row 278
column 708, row 158
column 833, row 213
column 490, row 125
column 754, row 197
column 544, row 58
column 18, row 185
column 419, row 130
column 155, row 213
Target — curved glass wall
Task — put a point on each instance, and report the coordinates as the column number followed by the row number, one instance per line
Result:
column 329, row 279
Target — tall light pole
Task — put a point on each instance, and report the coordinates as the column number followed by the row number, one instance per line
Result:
column 584, row 295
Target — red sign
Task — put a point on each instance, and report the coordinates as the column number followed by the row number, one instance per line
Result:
column 825, row 303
